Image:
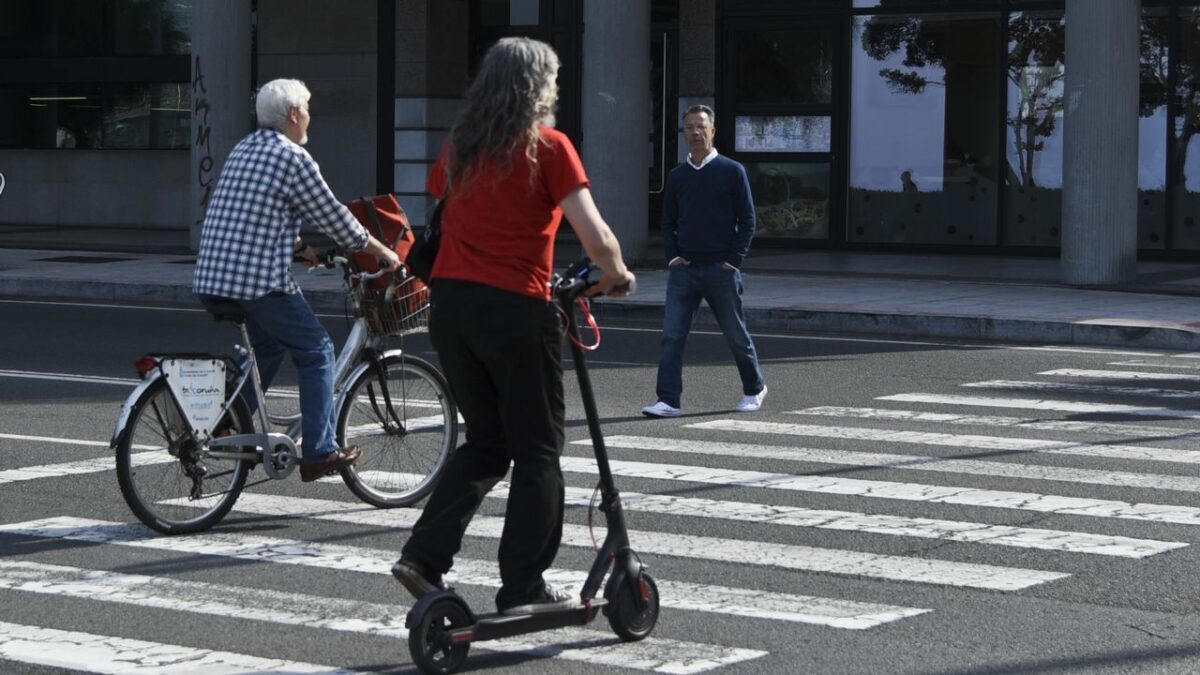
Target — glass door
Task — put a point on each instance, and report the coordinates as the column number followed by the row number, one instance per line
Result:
column 777, row 115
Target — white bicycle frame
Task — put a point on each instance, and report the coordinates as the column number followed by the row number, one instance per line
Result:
column 277, row 451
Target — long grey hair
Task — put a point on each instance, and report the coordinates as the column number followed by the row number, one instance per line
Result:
column 513, row 92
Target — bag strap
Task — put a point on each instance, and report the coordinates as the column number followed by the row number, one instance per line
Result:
column 435, row 223
column 372, row 213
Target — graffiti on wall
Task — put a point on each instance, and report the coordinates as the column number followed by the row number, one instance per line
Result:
column 200, row 109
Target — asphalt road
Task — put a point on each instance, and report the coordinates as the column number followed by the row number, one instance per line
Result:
column 897, row 506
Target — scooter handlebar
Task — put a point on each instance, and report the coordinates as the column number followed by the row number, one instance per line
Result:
column 574, row 282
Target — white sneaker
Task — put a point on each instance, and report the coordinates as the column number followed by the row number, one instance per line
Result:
column 661, row 409
column 752, row 403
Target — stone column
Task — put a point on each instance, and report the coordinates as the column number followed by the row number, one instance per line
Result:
column 616, row 115
column 221, row 94
column 1100, row 142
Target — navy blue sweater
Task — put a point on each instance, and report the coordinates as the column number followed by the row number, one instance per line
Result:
column 708, row 214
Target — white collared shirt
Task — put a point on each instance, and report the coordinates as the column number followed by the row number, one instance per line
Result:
column 704, row 162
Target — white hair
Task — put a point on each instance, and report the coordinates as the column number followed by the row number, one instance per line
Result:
column 276, row 99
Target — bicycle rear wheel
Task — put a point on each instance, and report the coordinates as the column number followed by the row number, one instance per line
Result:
column 167, row 479
column 405, row 445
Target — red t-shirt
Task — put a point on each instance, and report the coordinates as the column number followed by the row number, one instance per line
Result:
column 500, row 230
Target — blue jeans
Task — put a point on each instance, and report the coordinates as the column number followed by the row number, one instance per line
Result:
column 279, row 323
column 722, row 290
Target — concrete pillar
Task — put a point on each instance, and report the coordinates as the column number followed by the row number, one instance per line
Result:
column 1100, row 142
column 616, row 115
column 221, row 94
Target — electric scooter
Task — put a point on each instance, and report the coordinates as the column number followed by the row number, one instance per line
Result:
column 442, row 626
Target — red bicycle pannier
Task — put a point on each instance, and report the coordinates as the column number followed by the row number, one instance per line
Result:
column 405, row 307
column 385, row 219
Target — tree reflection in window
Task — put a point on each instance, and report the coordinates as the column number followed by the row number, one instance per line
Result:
column 924, row 129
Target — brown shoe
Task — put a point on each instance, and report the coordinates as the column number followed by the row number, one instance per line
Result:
column 312, row 469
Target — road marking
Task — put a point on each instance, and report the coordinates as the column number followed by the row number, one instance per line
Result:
column 737, row 551
column 352, row 616
column 91, row 653
column 83, row 466
column 1081, row 350
column 1148, row 364
column 674, row 594
column 70, row 377
column 912, row 463
column 850, row 521
column 1042, row 404
column 1113, row 429
column 878, row 489
column 1123, row 374
column 1017, row 445
column 1073, row 388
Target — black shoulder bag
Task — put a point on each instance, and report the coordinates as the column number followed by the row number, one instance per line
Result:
column 425, row 249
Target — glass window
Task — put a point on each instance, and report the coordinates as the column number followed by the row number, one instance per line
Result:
column 924, row 129
column 74, row 28
column 1034, row 128
column 791, row 200
column 1185, row 127
column 96, row 116
column 784, row 66
column 509, row 12
column 783, row 133
column 1152, row 129
column 938, row 4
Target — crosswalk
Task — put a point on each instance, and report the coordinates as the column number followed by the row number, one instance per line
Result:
column 737, row 495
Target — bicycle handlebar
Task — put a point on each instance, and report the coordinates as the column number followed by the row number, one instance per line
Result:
column 332, row 258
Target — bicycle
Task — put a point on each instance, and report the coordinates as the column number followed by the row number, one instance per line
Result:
column 186, row 438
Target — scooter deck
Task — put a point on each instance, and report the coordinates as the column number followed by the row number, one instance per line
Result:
column 495, row 626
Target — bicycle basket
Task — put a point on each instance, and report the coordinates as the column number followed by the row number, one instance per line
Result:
column 400, row 308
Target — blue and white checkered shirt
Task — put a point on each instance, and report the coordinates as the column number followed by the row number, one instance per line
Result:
column 269, row 186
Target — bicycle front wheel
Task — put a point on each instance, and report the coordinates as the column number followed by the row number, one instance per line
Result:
column 168, row 480
column 405, row 424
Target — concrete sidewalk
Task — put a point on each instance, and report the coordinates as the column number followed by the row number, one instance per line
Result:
column 997, row 299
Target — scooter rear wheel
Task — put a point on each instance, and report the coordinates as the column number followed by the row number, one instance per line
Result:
column 629, row 621
column 429, row 641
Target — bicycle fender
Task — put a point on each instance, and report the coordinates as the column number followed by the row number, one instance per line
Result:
column 127, row 406
column 363, row 365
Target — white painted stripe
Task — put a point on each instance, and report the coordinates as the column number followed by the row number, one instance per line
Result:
column 1042, row 404
column 674, row 594
column 1072, row 388
column 972, row 467
column 93, row 653
column 1141, row 363
column 70, row 377
column 926, row 528
column 878, row 489
column 83, row 466
column 1080, row 350
column 1132, row 452
column 1123, row 374
column 352, row 616
column 741, row 552
column 850, row 521
column 1021, row 423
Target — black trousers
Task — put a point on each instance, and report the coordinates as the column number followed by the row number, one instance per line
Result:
column 502, row 355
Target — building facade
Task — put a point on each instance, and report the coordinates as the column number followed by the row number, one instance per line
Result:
column 897, row 125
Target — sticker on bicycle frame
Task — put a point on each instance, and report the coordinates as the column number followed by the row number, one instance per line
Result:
column 199, row 388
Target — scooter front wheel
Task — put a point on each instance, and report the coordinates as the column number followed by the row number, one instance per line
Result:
column 633, row 612
column 429, row 641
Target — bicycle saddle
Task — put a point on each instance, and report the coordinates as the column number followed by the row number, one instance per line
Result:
column 223, row 309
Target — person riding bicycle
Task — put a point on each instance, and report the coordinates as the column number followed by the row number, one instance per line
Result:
column 507, row 178
column 268, row 187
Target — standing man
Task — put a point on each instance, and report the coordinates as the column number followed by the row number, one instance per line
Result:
column 708, row 221
column 268, row 187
